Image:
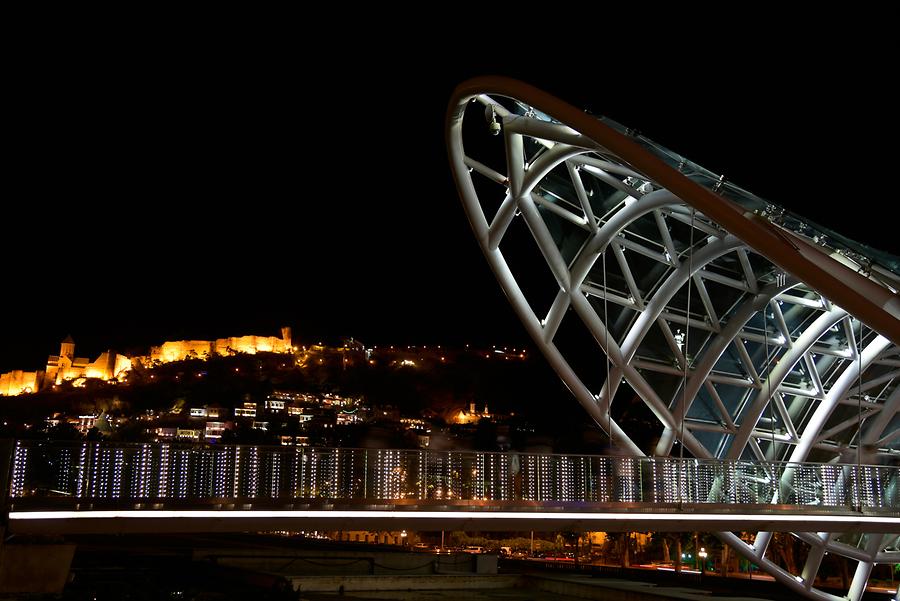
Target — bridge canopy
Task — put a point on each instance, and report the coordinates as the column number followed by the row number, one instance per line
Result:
column 701, row 350
column 745, row 331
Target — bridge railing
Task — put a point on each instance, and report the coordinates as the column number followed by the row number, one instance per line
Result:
column 49, row 472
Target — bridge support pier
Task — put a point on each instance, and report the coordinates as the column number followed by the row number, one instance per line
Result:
column 34, row 568
column 27, row 568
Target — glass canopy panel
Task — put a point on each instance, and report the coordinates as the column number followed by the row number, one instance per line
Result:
column 863, row 254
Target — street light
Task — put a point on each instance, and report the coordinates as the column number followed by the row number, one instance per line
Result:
column 702, row 555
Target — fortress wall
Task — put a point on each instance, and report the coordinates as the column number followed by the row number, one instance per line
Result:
column 18, row 382
column 251, row 345
column 180, row 349
column 123, row 364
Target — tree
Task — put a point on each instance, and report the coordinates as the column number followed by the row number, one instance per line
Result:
column 784, row 548
column 63, row 431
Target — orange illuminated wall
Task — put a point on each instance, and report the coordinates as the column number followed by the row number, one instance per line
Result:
column 179, row 350
column 19, row 382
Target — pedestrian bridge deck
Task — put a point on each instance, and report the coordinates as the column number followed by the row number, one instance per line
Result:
column 103, row 486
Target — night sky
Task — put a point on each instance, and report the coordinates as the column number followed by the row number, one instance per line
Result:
column 163, row 195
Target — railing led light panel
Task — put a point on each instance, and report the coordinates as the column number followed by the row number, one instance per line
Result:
column 104, row 471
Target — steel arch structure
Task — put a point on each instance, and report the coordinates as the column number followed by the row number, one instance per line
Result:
column 747, row 331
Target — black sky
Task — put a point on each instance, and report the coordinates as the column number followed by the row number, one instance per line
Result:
column 161, row 193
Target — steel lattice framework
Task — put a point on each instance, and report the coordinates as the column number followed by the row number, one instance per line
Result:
column 748, row 332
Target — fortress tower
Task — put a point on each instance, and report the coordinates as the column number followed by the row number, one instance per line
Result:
column 67, row 347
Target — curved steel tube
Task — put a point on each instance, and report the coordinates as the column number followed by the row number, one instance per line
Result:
column 580, row 141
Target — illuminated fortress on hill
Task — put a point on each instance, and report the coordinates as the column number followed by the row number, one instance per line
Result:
column 66, row 367
column 188, row 349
